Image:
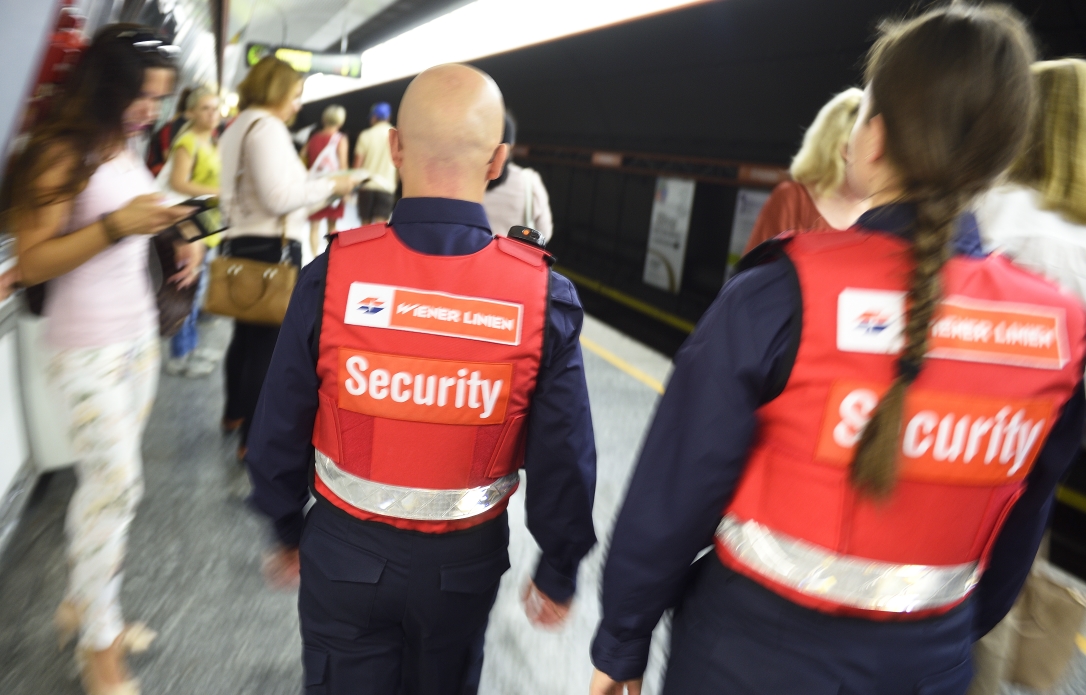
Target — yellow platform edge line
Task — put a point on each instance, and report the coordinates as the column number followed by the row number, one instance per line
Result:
column 595, row 348
column 625, row 299
column 1081, row 642
column 1075, row 500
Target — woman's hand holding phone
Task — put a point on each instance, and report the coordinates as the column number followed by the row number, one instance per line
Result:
column 146, row 214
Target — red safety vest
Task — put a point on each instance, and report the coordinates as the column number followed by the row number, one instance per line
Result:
column 427, row 367
column 1005, row 353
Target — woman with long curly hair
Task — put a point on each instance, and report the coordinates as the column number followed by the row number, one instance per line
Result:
column 82, row 205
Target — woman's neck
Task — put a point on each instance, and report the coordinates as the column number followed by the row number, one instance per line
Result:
column 840, row 209
column 200, row 132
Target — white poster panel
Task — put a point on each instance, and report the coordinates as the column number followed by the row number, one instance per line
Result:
column 668, row 232
column 748, row 203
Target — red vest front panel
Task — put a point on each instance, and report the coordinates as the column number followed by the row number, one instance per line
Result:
column 1005, row 353
column 427, row 366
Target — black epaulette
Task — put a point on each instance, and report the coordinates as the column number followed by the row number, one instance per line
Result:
column 527, row 235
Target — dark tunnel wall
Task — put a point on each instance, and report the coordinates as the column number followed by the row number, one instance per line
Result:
column 736, row 79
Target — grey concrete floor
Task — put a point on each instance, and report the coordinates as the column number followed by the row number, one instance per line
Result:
column 193, row 571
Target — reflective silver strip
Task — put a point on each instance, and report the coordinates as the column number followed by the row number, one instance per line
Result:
column 844, row 579
column 411, row 502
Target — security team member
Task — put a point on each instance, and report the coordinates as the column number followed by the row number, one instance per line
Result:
column 419, row 365
column 869, row 429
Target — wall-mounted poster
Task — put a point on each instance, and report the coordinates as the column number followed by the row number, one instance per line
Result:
column 667, row 233
column 748, row 203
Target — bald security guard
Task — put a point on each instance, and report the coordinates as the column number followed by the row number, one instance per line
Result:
column 420, row 365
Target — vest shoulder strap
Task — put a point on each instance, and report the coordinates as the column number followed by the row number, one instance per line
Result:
column 360, row 234
column 765, row 252
column 529, row 254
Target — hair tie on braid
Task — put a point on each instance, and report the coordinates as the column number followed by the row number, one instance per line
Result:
column 908, row 369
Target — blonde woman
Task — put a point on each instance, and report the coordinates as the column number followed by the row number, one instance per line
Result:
column 1038, row 217
column 326, row 152
column 818, row 197
column 265, row 190
column 195, row 172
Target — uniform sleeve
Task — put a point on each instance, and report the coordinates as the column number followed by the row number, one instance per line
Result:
column 1017, row 543
column 692, row 458
column 277, row 175
column 280, row 438
column 560, row 454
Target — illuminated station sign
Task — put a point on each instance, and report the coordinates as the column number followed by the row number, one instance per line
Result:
column 344, row 64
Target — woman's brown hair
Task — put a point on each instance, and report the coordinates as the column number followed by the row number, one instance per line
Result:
column 1054, row 158
column 268, row 83
column 954, row 90
column 87, row 118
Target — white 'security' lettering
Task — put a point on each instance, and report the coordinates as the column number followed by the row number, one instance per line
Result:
column 481, row 394
column 1009, row 436
column 478, row 391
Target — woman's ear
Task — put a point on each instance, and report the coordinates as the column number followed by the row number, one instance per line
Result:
column 876, row 135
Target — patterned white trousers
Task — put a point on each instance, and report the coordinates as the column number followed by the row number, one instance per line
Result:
column 107, row 394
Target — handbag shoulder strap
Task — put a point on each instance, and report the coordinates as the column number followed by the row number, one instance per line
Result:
column 284, row 258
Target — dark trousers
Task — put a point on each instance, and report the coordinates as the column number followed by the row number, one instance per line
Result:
column 374, row 206
column 251, row 347
column 731, row 636
column 391, row 612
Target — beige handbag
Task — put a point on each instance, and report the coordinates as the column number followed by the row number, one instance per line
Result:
column 248, row 290
column 1050, row 612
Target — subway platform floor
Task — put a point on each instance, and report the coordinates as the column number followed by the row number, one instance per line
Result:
column 193, row 572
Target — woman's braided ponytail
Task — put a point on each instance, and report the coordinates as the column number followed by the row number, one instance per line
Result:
column 954, row 92
column 874, row 469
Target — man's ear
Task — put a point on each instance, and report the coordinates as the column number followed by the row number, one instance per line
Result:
column 497, row 162
column 396, row 147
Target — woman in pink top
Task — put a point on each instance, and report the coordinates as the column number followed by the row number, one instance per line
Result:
column 82, row 205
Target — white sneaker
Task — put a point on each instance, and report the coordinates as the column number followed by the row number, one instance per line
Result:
column 176, row 366
column 198, row 367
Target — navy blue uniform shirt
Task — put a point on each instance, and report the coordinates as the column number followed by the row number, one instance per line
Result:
column 697, row 445
column 560, row 457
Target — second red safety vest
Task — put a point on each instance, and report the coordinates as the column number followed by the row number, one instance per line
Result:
column 1005, row 353
column 427, row 367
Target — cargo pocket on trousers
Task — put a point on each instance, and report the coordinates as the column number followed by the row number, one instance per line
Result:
column 951, row 682
column 315, row 662
column 475, row 576
column 339, row 585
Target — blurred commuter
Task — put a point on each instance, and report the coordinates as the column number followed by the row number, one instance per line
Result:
column 418, row 444
column 195, row 172
column 1038, row 219
column 326, row 153
column 863, row 542
column 8, row 280
column 372, row 153
column 518, row 196
column 265, row 192
column 161, row 142
column 818, row 196
column 82, row 205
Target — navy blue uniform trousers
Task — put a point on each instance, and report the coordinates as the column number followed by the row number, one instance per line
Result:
column 392, row 612
column 731, row 636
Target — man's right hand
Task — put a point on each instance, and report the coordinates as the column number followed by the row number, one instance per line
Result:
column 146, row 214
column 602, row 684
column 282, row 567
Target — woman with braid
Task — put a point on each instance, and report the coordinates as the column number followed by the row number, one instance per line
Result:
column 867, row 426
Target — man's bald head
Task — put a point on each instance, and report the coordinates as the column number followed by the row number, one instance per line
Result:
column 449, row 133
